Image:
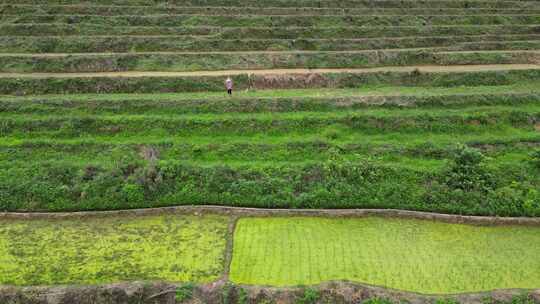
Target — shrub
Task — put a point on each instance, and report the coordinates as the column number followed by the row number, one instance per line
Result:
column 134, row 194
column 522, row 299
column 446, row 301
column 242, row 296
column 515, row 199
column 468, row 172
column 226, row 293
column 310, row 296
column 377, row 300
column 184, row 292
column 535, row 159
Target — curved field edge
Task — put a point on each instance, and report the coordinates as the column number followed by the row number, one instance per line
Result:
column 238, row 212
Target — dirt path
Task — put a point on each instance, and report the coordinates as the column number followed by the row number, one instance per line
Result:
column 424, row 68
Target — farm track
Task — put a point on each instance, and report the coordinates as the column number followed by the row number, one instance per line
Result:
column 421, row 68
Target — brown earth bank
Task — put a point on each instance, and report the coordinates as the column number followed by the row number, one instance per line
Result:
column 259, row 212
column 221, row 292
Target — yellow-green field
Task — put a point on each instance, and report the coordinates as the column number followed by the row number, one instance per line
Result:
column 171, row 248
column 413, row 255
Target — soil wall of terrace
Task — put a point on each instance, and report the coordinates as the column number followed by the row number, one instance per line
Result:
column 220, row 292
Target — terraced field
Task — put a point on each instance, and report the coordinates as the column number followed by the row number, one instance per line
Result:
column 108, row 250
column 113, row 104
column 429, row 105
column 413, row 255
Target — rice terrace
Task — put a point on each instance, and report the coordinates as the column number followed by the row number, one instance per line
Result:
column 269, row 151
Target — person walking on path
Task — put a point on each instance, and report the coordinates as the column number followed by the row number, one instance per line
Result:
column 229, row 85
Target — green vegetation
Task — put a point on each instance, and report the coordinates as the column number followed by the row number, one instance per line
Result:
column 457, row 140
column 230, row 61
column 414, row 255
column 184, row 292
column 102, row 250
column 68, row 30
column 332, row 148
column 104, row 44
column 71, row 84
column 111, row 10
column 120, row 104
column 280, row 20
column 310, row 296
column 298, row 3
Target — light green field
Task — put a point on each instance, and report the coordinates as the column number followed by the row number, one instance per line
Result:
column 171, row 248
column 413, row 255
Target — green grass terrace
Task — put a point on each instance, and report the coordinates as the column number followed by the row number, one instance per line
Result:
column 114, row 104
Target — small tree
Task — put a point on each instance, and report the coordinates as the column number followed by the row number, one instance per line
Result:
column 535, row 159
column 468, row 172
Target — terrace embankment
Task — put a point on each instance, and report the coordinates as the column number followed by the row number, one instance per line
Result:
column 165, row 293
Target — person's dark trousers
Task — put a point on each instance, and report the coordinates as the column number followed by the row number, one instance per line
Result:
column 229, row 91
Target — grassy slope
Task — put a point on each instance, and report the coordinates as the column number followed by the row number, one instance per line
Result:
column 148, row 82
column 210, row 148
column 62, row 29
column 412, row 255
column 364, row 90
column 92, row 251
column 231, row 61
column 270, row 133
column 298, row 3
column 132, row 44
column 216, row 10
column 303, row 148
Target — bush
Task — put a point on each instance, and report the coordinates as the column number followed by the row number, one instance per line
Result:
column 184, row 292
column 378, row 300
column 522, row 299
column 468, row 172
column 242, row 296
column 535, row 159
column 467, row 186
column 134, row 194
column 516, row 199
column 310, row 296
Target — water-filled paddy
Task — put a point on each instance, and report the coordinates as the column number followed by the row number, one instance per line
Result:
column 414, row 255
column 103, row 250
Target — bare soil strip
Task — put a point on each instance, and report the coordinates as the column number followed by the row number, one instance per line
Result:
column 420, row 68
